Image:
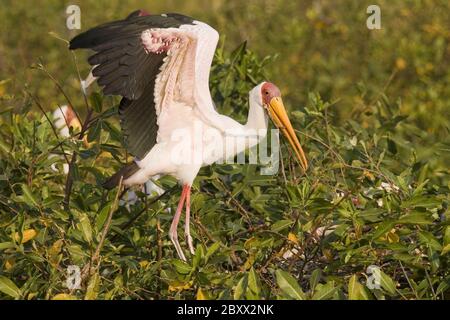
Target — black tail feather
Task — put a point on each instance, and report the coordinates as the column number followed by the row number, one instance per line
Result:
column 124, row 172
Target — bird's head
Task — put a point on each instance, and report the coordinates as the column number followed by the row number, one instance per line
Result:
column 272, row 102
column 66, row 118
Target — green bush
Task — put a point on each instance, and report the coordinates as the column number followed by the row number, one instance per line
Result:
column 365, row 201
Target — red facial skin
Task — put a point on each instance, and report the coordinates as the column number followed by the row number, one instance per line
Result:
column 70, row 116
column 269, row 91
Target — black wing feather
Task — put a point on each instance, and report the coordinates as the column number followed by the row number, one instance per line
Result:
column 119, row 51
column 124, row 68
column 138, row 121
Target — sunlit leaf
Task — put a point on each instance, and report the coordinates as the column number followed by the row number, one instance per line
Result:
column 324, row 291
column 289, row 285
column 356, row 290
column 182, row 267
column 8, row 287
column 85, row 226
column 64, row 296
column 27, row 235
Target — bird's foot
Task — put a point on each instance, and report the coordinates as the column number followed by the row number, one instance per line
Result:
column 190, row 244
column 174, row 238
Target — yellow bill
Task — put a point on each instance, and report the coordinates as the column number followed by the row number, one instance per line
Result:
column 278, row 113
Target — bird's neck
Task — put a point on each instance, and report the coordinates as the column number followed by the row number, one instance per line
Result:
column 257, row 122
column 257, row 117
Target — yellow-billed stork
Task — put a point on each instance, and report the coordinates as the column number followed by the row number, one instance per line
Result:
column 65, row 118
column 160, row 65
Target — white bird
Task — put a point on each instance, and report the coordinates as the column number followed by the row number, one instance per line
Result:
column 148, row 188
column 65, row 118
column 160, row 65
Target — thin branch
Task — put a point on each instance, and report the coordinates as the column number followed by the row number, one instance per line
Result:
column 96, row 257
column 58, row 85
column 244, row 213
column 409, row 282
column 55, row 132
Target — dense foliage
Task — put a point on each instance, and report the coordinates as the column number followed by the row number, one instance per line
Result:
column 375, row 193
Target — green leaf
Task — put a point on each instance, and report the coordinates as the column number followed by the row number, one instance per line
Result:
column 429, row 240
column 4, row 147
column 387, row 283
column 102, row 216
column 289, row 285
column 422, row 201
column 281, row 225
column 6, row 245
column 85, row 227
column 240, row 288
column 443, row 286
column 96, row 102
column 94, row 131
column 238, row 52
column 447, row 236
column 314, row 280
column 422, row 181
column 182, row 267
column 416, row 217
column 77, row 254
column 324, row 291
column 433, row 257
column 371, row 215
column 199, row 254
column 93, row 287
column 444, row 251
column 64, row 296
column 356, row 290
column 29, row 196
column 212, row 249
column 253, row 285
column 8, row 287
column 382, row 229
column 392, row 147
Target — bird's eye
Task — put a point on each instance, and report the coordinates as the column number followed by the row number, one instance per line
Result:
column 267, row 93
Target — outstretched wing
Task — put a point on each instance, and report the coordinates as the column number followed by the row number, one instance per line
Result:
column 140, row 58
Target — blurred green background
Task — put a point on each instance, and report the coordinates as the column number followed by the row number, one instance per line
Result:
column 318, row 46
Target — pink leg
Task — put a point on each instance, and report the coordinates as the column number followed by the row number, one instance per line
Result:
column 173, row 228
column 187, row 229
